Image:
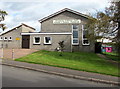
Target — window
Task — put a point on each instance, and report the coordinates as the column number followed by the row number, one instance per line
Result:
column 85, row 40
column 1, row 38
column 75, row 39
column 10, row 38
column 5, row 38
column 47, row 40
column 36, row 40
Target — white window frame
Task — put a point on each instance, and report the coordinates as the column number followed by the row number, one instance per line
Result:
column 84, row 38
column 50, row 40
column 34, row 40
column 5, row 37
column 1, row 38
column 10, row 37
column 72, row 35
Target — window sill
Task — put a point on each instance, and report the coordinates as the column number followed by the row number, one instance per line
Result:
column 47, row 43
column 36, row 44
column 86, row 44
column 75, row 44
column 9, row 40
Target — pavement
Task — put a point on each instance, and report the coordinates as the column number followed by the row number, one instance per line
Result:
column 64, row 72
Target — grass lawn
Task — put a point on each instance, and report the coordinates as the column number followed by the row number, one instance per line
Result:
column 77, row 60
column 113, row 56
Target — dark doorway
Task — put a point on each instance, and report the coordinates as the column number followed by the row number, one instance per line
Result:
column 98, row 47
column 26, row 41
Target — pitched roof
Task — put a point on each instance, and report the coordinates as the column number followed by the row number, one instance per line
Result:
column 28, row 26
column 6, row 31
column 63, row 10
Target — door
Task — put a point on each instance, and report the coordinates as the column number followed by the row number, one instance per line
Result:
column 98, row 47
column 26, row 41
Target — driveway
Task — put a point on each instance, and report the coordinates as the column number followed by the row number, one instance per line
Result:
column 15, row 53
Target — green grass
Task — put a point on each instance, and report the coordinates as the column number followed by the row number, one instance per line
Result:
column 112, row 56
column 77, row 60
column 111, row 53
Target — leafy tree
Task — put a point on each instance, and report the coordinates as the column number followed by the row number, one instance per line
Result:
column 116, row 19
column 61, row 44
column 114, row 12
column 100, row 26
column 2, row 18
column 61, row 47
column 2, row 15
column 105, row 24
column 3, row 26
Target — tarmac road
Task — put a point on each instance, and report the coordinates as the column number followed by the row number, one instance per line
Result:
column 18, row 77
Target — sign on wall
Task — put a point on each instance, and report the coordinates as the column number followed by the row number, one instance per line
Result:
column 17, row 38
column 71, row 21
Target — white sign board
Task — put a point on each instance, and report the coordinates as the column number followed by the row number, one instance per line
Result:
column 71, row 21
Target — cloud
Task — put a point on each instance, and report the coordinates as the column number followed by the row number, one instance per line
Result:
column 30, row 12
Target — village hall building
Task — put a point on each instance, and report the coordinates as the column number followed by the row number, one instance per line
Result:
column 65, row 25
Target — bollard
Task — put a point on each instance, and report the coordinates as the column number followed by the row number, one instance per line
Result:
column 2, row 54
column 13, row 54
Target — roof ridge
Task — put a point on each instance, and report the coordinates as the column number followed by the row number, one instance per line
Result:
column 5, row 31
column 65, row 9
column 27, row 26
column 15, row 28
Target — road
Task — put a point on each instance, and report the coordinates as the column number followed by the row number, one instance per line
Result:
column 18, row 77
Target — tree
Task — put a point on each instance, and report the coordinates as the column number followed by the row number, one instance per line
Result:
column 100, row 26
column 106, row 23
column 117, row 20
column 2, row 18
column 61, row 44
column 114, row 11
column 3, row 26
column 2, row 15
column 61, row 47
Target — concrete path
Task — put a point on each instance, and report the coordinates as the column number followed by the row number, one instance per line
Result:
column 15, row 53
column 65, row 72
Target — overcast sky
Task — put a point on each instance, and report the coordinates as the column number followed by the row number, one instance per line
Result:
column 30, row 11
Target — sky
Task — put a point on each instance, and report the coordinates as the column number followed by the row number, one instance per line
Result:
column 30, row 11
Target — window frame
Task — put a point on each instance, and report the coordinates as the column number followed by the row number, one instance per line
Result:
column 5, row 37
column 50, row 40
column 9, row 38
column 78, row 35
column 35, row 42
column 1, row 37
column 84, row 38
